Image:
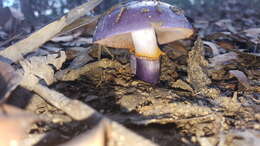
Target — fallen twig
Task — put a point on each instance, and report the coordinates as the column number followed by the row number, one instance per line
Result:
column 75, row 108
column 16, row 51
column 193, row 121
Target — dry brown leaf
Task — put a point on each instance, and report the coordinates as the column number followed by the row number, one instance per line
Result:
column 226, row 24
column 223, row 59
column 41, row 67
column 254, row 34
column 246, row 59
column 230, row 104
column 9, row 80
column 214, row 47
column 182, row 85
column 14, row 124
column 241, row 77
column 226, row 45
column 16, row 51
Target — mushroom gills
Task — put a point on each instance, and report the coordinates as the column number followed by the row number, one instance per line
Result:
column 146, row 62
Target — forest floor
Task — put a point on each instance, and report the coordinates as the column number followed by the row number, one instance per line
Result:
column 208, row 94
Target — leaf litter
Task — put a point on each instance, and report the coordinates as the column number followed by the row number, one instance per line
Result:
column 208, row 93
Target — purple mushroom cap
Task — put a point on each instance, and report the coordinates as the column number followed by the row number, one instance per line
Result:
column 114, row 29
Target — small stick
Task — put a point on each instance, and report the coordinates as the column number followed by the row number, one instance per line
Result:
column 74, row 108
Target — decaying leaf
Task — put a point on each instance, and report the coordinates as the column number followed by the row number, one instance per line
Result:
column 230, row 104
column 242, row 78
column 182, row 85
column 197, row 67
column 214, row 47
column 9, row 80
column 41, row 67
column 82, row 57
column 16, row 51
column 254, row 34
column 223, row 59
column 14, row 124
column 179, row 110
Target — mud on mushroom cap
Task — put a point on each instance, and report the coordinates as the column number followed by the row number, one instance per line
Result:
column 114, row 29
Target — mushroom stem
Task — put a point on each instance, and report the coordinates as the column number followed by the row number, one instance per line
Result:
column 148, row 70
column 147, row 55
column 145, row 43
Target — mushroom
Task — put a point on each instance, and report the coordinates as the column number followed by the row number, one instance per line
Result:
column 140, row 26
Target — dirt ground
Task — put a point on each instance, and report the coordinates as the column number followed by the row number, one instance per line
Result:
column 208, row 94
column 172, row 112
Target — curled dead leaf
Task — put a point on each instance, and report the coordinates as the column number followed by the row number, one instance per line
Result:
column 214, row 47
column 42, row 67
column 223, row 59
column 241, row 77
